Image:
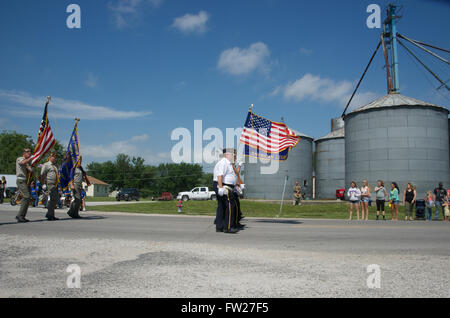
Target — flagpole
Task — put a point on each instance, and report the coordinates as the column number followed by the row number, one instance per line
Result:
column 282, row 196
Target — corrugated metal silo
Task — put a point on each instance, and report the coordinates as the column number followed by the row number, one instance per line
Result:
column 398, row 138
column 298, row 167
column 330, row 161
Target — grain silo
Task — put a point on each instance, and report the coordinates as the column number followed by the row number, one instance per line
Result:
column 330, row 161
column 298, row 167
column 398, row 138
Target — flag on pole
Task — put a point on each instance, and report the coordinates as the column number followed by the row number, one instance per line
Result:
column 71, row 159
column 45, row 139
column 267, row 139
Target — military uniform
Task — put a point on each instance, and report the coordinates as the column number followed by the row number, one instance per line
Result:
column 49, row 173
column 21, row 174
column 297, row 194
column 76, row 192
column 229, row 218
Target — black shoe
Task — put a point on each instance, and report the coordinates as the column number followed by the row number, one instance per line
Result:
column 240, row 226
column 378, row 217
column 77, row 217
column 231, row 231
column 219, row 230
column 52, row 218
column 21, row 220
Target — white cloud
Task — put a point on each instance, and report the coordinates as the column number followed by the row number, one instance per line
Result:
column 25, row 105
column 192, row 23
column 127, row 13
column 305, row 51
column 314, row 87
column 237, row 61
column 134, row 147
column 91, row 81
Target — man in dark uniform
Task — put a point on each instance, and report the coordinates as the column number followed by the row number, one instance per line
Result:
column 226, row 182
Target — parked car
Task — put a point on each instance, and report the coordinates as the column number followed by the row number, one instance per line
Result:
column 340, row 194
column 128, row 194
column 165, row 196
column 199, row 193
column 10, row 191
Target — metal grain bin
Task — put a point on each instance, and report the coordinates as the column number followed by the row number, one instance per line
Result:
column 398, row 138
column 298, row 167
column 330, row 161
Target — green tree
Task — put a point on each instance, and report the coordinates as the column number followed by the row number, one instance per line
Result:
column 11, row 147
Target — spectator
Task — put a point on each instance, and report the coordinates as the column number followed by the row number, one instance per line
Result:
column 409, row 199
column 354, row 195
column 429, row 201
column 83, row 203
column 446, row 208
column 2, row 189
column 34, row 194
column 381, row 194
column 439, row 195
column 394, row 200
column 365, row 198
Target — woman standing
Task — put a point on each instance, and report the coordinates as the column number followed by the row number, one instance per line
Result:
column 353, row 195
column 2, row 189
column 381, row 194
column 365, row 198
column 409, row 199
column 394, row 200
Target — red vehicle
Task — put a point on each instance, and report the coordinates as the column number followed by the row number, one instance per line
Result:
column 165, row 196
column 340, row 194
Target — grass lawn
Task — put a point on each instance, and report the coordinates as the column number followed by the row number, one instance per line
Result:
column 107, row 199
column 249, row 208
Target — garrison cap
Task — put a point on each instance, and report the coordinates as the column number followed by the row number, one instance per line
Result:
column 229, row 150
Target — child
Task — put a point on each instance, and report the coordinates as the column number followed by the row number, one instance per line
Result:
column 446, row 208
column 354, row 195
column 429, row 205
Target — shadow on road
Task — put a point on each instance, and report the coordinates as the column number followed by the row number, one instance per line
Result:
column 279, row 221
column 84, row 218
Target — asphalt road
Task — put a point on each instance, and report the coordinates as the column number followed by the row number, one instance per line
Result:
column 135, row 255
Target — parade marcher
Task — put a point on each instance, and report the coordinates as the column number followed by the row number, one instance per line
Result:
column 218, row 221
column 297, row 194
column 23, row 169
column 49, row 174
column 76, row 185
column 226, row 182
column 439, row 195
column 237, row 192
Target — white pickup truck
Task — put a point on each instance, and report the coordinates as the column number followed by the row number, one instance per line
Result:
column 199, row 193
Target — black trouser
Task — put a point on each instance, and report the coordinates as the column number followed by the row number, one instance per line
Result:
column 229, row 210
column 219, row 220
column 238, row 207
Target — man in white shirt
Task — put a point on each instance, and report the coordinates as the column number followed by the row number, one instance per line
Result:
column 226, row 181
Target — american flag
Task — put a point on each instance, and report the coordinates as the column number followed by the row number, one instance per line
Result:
column 45, row 139
column 271, row 140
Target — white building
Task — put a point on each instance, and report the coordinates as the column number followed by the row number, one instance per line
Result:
column 98, row 188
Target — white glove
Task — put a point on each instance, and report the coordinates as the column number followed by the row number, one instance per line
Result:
column 221, row 191
column 242, row 186
column 240, row 163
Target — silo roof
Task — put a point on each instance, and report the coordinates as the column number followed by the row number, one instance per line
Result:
column 338, row 133
column 394, row 100
column 300, row 134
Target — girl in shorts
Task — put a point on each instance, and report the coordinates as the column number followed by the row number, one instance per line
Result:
column 394, row 200
column 354, row 195
column 365, row 198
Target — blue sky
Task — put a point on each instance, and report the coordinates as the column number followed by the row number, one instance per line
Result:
column 138, row 69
